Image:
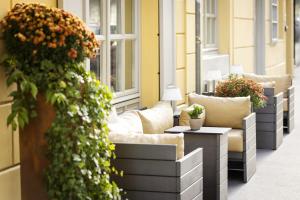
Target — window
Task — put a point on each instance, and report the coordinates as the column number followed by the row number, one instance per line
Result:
column 115, row 24
column 274, row 20
column 210, row 24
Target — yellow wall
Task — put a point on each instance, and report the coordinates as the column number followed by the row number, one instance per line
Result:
column 243, row 34
column 185, row 47
column 149, row 51
column 10, row 187
column 275, row 52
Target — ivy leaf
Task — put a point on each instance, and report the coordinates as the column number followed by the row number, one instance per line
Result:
column 33, row 90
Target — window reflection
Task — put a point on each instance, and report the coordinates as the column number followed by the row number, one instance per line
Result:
column 115, row 66
column 115, row 16
column 95, row 16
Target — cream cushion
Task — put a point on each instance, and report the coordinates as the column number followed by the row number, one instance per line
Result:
column 285, row 104
column 235, row 140
column 177, row 139
column 223, row 111
column 157, row 119
column 282, row 83
column 184, row 119
column 128, row 122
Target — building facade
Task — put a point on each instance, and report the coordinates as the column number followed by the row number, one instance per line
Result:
column 147, row 45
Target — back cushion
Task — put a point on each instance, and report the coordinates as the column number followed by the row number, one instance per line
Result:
column 157, row 119
column 223, row 111
column 282, row 83
column 128, row 122
column 176, row 139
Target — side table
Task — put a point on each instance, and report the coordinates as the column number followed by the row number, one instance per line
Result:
column 214, row 142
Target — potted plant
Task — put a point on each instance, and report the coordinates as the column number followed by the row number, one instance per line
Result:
column 240, row 87
column 59, row 107
column 196, row 117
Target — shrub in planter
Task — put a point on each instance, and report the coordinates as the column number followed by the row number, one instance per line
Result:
column 241, row 87
column 45, row 49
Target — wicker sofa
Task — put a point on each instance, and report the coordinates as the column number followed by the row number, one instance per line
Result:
column 154, row 164
column 282, row 84
column 234, row 113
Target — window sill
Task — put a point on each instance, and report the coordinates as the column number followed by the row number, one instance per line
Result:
column 210, row 51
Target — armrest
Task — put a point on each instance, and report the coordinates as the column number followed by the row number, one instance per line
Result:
column 291, row 91
column 249, row 132
column 189, row 161
column 249, row 121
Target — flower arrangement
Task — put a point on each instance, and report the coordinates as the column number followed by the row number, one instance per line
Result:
column 45, row 49
column 241, row 87
column 37, row 32
column 195, row 112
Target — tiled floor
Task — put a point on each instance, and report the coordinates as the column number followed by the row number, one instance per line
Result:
column 278, row 172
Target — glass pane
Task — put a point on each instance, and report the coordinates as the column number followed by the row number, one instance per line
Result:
column 213, row 31
column 207, row 30
column 274, row 31
column 207, row 6
column 115, row 16
column 274, row 13
column 129, row 13
column 115, row 66
column 95, row 16
column 213, row 6
column 95, row 66
column 129, row 64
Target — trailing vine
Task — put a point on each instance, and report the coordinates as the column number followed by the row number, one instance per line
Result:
column 79, row 151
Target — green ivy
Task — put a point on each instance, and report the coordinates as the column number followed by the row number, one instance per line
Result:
column 79, row 151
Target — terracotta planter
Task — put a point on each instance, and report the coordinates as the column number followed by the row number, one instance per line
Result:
column 33, row 147
column 196, row 124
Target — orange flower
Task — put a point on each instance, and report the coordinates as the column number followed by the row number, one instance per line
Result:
column 72, row 53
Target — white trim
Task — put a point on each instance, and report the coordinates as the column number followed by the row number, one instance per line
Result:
column 211, row 32
column 274, row 22
column 167, row 44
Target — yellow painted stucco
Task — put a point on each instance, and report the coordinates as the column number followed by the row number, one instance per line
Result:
column 149, row 51
column 10, row 186
column 185, row 47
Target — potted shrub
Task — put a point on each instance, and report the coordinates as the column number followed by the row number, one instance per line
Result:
column 240, row 87
column 196, row 117
column 60, row 109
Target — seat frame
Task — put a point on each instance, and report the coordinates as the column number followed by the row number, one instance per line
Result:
column 289, row 115
column 245, row 161
column 151, row 171
column 269, row 121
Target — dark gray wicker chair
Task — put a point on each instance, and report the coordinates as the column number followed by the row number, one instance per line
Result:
column 152, row 172
column 269, row 121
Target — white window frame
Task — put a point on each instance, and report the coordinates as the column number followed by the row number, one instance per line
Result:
column 274, row 19
column 208, row 32
column 106, row 38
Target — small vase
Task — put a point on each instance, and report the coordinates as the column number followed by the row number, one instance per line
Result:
column 196, row 124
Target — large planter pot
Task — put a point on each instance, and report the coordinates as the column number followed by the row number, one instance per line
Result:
column 33, row 147
column 196, row 124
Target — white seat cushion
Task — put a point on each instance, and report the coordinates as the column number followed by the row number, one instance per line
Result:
column 235, row 140
column 128, row 122
column 157, row 119
column 285, row 104
column 177, row 139
column 223, row 111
